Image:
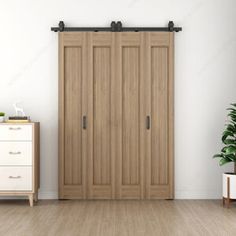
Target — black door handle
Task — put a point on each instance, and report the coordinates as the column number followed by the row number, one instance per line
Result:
column 84, row 122
column 148, row 122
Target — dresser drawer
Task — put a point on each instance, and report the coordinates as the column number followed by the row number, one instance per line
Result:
column 13, row 132
column 16, row 153
column 15, row 178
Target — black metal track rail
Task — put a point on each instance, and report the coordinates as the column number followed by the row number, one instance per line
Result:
column 116, row 27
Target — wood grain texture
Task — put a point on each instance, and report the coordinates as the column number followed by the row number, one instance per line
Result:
column 143, row 110
column 159, row 111
column 131, row 115
column 147, row 112
column 100, row 167
column 73, row 115
column 61, row 131
column 117, row 218
column 117, row 117
column 171, row 90
column 102, row 115
column 36, row 158
column 72, row 59
column 123, row 78
column 129, row 168
column 159, row 168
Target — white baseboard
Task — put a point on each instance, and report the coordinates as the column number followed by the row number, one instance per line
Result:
column 193, row 194
column 48, row 195
column 178, row 195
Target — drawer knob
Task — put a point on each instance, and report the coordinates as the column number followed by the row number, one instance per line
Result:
column 14, row 153
column 14, row 177
column 12, row 128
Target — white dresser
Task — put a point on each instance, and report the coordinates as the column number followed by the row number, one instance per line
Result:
column 19, row 160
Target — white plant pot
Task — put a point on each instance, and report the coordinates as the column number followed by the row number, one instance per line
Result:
column 2, row 119
column 232, row 185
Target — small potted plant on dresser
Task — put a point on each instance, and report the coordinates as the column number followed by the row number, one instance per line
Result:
column 2, row 116
column 228, row 154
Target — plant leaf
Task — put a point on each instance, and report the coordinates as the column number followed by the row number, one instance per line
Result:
column 230, row 128
column 231, row 109
column 232, row 157
column 232, row 123
column 230, row 149
column 223, row 150
column 223, row 161
column 233, row 117
column 228, row 152
column 229, row 141
column 217, row 156
column 232, row 114
column 226, row 134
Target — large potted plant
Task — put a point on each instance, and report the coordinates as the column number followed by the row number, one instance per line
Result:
column 228, row 154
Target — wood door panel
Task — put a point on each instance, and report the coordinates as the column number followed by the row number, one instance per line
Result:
column 129, row 77
column 159, row 111
column 100, row 160
column 101, row 115
column 71, row 99
column 130, row 112
column 159, row 163
column 73, row 134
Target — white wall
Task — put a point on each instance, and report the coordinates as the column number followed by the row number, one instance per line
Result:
column 205, row 74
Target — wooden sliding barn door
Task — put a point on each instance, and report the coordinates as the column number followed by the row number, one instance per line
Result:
column 144, row 104
column 72, row 107
column 116, row 115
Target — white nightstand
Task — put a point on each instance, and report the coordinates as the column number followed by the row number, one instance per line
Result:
column 19, row 160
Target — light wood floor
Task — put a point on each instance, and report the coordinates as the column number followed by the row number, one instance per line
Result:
column 108, row 218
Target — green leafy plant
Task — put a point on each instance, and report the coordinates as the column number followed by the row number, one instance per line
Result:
column 228, row 152
column 2, row 114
